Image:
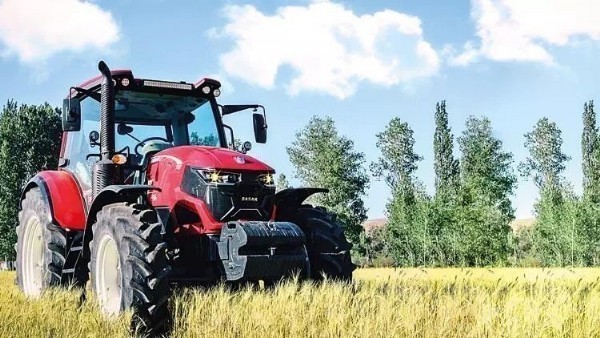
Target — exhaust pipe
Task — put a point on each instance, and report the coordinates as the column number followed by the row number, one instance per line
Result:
column 105, row 172
column 107, row 113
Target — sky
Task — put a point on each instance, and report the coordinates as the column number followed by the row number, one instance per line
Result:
column 360, row 62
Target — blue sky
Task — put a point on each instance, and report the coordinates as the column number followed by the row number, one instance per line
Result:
column 360, row 62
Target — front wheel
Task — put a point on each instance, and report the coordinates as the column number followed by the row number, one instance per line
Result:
column 128, row 265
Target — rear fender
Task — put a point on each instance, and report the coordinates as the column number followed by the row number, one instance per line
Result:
column 62, row 194
column 291, row 198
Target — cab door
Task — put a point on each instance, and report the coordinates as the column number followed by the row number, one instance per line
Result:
column 79, row 155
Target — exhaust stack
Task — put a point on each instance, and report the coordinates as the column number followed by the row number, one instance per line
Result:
column 107, row 113
column 105, row 172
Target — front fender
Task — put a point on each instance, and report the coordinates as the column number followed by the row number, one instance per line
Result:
column 115, row 194
column 109, row 195
column 61, row 193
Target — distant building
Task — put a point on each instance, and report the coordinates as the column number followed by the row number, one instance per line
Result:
column 372, row 224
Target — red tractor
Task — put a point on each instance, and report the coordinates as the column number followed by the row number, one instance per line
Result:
column 149, row 194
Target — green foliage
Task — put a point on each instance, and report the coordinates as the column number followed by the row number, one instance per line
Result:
column 445, row 166
column 209, row 140
column 281, row 183
column 444, row 209
column 558, row 233
column 398, row 161
column 406, row 232
column 409, row 240
column 546, row 161
column 567, row 228
column 556, row 238
column 323, row 158
column 467, row 221
column 590, row 154
column 29, row 142
column 488, row 182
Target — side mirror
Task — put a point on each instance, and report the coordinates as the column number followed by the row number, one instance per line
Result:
column 71, row 115
column 94, row 137
column 123, row 129
column 260, row 128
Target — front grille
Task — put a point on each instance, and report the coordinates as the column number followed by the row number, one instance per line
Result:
column 231, row 201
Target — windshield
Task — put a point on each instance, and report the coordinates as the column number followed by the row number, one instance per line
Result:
column 203, row 130
column 191, row 118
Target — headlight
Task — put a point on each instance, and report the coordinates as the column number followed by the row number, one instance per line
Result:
column 220, row 177
column 266, row 179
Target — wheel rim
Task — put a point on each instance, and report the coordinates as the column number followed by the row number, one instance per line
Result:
column 108, row 276
column 33, row 258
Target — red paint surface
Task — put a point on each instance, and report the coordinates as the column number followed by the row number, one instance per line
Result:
column 96, row 81
column 212, row 158
column 68, row 207
column 166, row 172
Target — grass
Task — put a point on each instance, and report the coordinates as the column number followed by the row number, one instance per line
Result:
column 382, row 302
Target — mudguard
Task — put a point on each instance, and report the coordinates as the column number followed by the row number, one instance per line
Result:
column 293, row 197
column 114, row 194
column 62, row 194
column 108, row 195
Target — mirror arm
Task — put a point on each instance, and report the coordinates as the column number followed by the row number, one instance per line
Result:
column 133, row 137
column 264, row 114
column 94, row 95
column 232, row 136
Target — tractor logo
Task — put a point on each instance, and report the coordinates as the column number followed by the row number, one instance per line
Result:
column 239, row 159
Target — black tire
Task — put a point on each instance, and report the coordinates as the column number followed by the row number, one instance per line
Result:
column 328, row 249
column 144, row 270
column 54, row 243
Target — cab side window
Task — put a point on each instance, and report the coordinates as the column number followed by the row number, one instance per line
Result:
column 78, row 146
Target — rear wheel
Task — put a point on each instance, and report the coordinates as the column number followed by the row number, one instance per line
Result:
column 328, row 249
column 128, row 265
column 40, row 247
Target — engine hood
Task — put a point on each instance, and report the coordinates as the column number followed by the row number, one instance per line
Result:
column 212, row 158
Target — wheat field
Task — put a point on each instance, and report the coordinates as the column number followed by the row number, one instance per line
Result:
column 381, row 302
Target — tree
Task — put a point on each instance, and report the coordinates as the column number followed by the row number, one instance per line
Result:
column 546, row 161
column 589, row 154
column 406, row 228
column 398, row 161
column 323, row 158
column 281, row 183
column 556, row 230
column 485, row 166
column 29, row 142
column 209, row 140
column 445, row 166
column 487, row 183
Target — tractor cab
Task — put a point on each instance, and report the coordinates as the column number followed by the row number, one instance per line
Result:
column 149, row 116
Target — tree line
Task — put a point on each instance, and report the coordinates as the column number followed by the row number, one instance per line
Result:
column 465, row 222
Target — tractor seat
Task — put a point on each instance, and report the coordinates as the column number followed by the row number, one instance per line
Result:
column 151, row 148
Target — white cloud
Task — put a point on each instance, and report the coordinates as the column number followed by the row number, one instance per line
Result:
column 523, row 30
column 327, row 47
column 34, row 30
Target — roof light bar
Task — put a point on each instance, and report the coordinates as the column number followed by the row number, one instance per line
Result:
column 169, row 85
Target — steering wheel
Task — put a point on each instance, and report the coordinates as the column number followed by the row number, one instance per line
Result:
column 143, row 142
